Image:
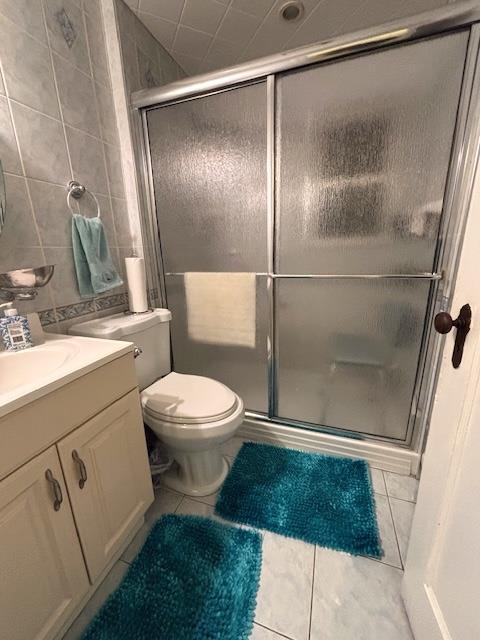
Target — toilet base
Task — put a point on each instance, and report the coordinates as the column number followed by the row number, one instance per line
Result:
column 197, row 473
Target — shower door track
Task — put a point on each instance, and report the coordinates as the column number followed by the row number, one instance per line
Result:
column 456, row 199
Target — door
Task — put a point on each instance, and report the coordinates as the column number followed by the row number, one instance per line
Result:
column 106, row 469
column 441, row 584
column 209, row 165
column 362, row 154
column 357, row 152
column 42, row 572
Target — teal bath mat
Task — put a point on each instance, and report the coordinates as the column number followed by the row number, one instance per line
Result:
column 194, row 579
column 321, row 499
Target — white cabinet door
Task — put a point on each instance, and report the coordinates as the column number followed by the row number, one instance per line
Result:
column 42, row 572
column 106, row 468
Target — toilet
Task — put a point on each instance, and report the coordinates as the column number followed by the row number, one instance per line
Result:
column 192, row 415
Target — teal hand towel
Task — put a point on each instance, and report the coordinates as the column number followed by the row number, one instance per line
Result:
column 93, row 263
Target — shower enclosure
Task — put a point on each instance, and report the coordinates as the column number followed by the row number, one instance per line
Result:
column 329, row 176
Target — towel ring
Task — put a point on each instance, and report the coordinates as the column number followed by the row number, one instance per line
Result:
column 77, row 190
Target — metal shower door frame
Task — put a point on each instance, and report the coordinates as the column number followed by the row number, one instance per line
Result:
column 459, row 182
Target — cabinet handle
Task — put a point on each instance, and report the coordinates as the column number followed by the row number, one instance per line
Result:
column 57, row 489
column 81, row 468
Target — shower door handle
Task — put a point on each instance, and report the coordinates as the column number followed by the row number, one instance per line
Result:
column 444, row 323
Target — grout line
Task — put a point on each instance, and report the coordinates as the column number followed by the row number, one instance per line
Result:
column 180, row 503
column 49, row 290
column 383, row 480
column 54, row 184
column 280, row 635
column 97, row 109
column 57, row 92
column 178, row 25
column 263, row 21
column 71, row 64
column 387, row 564
column 59, row 121
column 198, row 499
column 215, row 35
column 129, row 564
column 402, row 499
column 401, row 475
column 395, row 532
column 313, row 586
column 304, row 21
column 24, row 31
column 42, row 113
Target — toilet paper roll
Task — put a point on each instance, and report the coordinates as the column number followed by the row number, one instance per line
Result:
column 137, row 285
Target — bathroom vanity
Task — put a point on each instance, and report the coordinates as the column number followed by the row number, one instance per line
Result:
column 74, row 478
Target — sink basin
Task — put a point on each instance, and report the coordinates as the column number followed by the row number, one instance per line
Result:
column 27, row 375
column 20, row 368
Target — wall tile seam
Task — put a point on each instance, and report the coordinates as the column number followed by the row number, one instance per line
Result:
column 24, row 31
column 178, row 24
column 46, row 44
column 105, row 164
column 56, row 184
column 122, row 53
column 82, row 71
column 55, row 80
column 57, row 93
column 213, row 36
column 61, row 121
column 24, row 177
column 143, row 49
column 125, row 84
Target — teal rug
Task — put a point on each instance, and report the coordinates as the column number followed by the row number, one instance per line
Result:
column 321, row 499
column 194, row 579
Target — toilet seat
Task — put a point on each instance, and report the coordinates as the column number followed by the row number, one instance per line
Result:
column 188, row 399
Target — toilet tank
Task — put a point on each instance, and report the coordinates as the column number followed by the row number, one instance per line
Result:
column 149, row 331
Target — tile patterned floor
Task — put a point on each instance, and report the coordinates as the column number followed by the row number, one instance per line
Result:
column 307, row 592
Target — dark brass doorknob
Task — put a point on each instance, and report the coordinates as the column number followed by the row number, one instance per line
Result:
column 443, row 324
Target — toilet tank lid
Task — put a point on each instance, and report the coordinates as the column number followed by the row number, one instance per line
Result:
column 120, row 325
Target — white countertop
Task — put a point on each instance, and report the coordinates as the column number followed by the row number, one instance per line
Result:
column 32, row 373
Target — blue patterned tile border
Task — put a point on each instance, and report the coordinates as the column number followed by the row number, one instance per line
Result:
column 111, row 301
column 83, row 308
column 87, row 307
column 47, row 317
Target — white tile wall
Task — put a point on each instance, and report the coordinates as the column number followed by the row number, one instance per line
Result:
column 56, row 123
column 253, row 28
column 145, row 60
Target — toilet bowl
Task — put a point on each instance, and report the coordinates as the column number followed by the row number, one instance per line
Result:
column 192, row 415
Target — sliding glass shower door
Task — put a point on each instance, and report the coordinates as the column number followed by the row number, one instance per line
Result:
column 357, row 153
column 209, row 172
column 363, row 148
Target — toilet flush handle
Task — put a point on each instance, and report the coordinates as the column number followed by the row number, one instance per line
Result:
column 137, row 351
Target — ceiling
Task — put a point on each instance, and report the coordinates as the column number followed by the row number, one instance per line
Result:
column 203, row 35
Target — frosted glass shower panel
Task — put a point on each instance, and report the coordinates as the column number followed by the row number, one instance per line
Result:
column 348, row 352
column 239, row 362
column 363, row 148
column 209, row 171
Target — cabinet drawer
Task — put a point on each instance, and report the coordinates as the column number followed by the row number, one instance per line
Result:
column 42, row 572
column 105, row 463
column 28, row 431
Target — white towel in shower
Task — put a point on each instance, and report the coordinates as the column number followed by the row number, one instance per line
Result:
column 221, row 308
